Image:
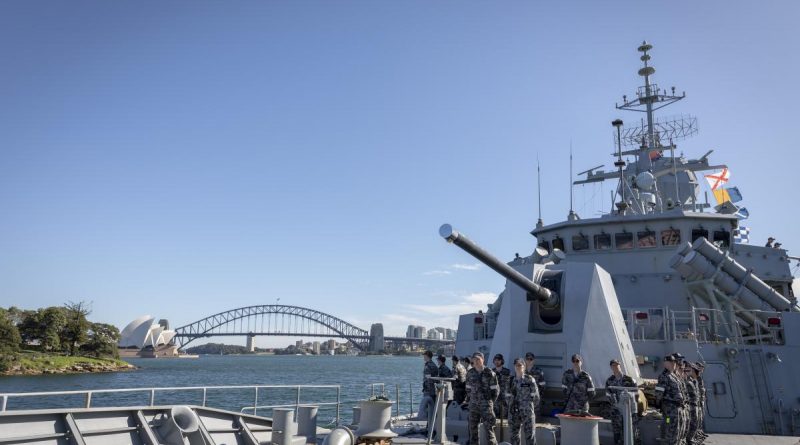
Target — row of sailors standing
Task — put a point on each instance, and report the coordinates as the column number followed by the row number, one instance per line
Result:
column 477, row 387
column 681, row 394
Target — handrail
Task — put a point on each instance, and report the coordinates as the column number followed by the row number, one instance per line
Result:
column 88, row 393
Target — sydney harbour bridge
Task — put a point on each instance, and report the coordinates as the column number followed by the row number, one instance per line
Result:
column 294, row 321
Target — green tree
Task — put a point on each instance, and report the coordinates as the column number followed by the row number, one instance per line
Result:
column 53, row 320
column 43, row 326
column 75, row 332
column 9, row 341
column 103, row 339
column 29, row 325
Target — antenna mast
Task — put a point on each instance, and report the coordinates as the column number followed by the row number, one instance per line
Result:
column 539, row 223
column 572, row 216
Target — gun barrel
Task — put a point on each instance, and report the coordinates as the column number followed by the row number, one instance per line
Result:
column 539, row 293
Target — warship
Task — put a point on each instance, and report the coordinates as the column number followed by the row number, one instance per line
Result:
column 663, row 271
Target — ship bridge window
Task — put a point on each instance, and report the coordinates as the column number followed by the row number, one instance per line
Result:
column 602, row 241
column 646, row 239
column 670, row 237
column 623, row 240
column 580, row 242
column 722, row 238
column 545, row 245
column 699, row 233
column 558, row 243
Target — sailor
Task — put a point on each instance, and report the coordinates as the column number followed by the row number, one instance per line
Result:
column 661, row 385
column 428, row 386
column 684, row 417
column 522, row 396
column 769, row 242
column 778, row 246
column 482, row 391
column 690, row 371
column 618, row 379
column 671, row 403
column 538, row 375
column 701, row 401
column 578, row 387
column 503, row 375
column 444, row 371
column 467, row 363
column 459, row 385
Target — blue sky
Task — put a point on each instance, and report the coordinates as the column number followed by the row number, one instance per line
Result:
column 183, row 158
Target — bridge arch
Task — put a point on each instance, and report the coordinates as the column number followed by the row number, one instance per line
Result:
column 214, row 324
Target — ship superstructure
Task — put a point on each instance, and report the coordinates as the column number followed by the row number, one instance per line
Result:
column 681, row 281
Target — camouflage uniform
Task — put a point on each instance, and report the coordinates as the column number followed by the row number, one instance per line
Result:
column 661, row 385
column 671, row 406
column 501, row 407
column 538, row 375
column 578, row 389
column 701, row 406
column 684, row 411
column 692, row 393
column 459, row 386
column 523, row 396
column 615, row 414
column 428, row 385
column 428, row 401
column 482, row 391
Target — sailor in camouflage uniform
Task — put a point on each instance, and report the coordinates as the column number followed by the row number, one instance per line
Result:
column 671, row 403
column 661, row 385
column 503, row 376
column 578, row 387
column 701, row 402
column 482, row 391
column 459, row 386
column 619, row 379
column 522, row 396
column 684, row 409
column 428, row 387
column 538, row 375
column 694, row 403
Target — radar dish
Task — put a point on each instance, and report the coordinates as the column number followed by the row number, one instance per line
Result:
column 645, row 181
column 665, row 129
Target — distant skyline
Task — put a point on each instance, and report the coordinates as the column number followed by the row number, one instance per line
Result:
column 185, row 158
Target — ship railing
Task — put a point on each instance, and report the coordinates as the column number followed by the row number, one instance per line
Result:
column 202, row 393
column 704, row 325
column 721, row 326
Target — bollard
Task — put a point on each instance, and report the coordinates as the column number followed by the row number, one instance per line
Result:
column 307, row 422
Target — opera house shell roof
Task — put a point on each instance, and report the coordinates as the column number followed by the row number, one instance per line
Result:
column 143, row 332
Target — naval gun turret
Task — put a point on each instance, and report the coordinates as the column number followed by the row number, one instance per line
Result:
column 546, row 297
column 553, row 310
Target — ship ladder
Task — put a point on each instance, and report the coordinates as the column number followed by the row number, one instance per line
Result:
column 762, row 390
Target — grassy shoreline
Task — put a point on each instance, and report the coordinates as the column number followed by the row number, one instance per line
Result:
column 38, row 363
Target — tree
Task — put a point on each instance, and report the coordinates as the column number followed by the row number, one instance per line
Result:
column 9, row 341
column 43, row 326
column 75, row 331
column 103, row 339
column 53, row 320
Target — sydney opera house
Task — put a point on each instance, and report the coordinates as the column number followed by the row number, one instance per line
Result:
column 144, row 337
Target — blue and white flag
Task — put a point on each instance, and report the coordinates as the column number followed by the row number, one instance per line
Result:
column 734, row 194
column 742, row 213
column 741, row 235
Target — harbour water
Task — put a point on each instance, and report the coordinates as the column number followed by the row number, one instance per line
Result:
column 353, row 374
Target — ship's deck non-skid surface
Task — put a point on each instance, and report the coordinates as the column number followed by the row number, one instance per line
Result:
column 744, row 439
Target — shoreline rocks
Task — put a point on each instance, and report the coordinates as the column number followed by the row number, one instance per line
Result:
column 74, row 368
